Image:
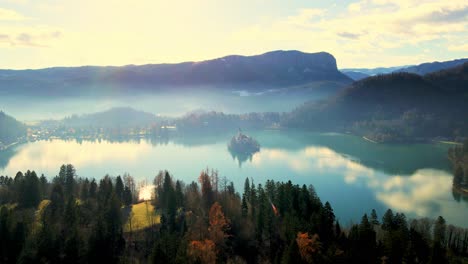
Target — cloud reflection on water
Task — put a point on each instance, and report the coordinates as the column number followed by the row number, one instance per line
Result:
column 427, row 192
column 43, row 154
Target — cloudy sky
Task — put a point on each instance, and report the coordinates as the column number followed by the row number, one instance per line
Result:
column 365, row 33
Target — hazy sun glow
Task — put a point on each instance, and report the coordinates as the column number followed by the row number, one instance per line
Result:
column 35, row 34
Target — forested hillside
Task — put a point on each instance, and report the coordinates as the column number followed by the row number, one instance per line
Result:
column 77, row 220
column 10, row 129
column 394, row 107
column 459, row 158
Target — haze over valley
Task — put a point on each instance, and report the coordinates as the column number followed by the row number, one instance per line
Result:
column 241, row 132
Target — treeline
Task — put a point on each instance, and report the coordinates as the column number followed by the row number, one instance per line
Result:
column 218, row 121
column 459, row 158
column 66, row 220
column 75, row 220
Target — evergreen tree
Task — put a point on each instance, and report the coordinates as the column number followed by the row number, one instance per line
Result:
column 127, row 196
column 43, row 186
column 245, row 208
column 84, row 194
column 179, row 195
column 387, row 220
column 4, row 234
column 374, row 219
column 31, row 192
column 119, row 188
column 70, row 174
column 207, row 189
column 56, row 200
column 93, row 189
column 61, row 179
column 247, row 189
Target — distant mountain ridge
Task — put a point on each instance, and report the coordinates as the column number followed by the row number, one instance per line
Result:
column 356, row 75
column 431, row 67
column 272, row 69
column 361, row 73
column 420, row 69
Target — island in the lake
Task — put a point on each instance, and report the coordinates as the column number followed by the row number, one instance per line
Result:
column 243, row 144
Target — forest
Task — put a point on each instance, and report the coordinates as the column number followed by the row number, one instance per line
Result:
column 459, row 158
column 70, row 219
column 396, row 107
column 10, row 129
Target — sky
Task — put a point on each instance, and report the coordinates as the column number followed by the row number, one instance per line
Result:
column 364, row 33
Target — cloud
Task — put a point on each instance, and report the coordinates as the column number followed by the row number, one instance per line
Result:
column 354, row 7
column 29, row 36
column 10, row 15
column 453, row 14
column 462, row 47
column 305, row 16
column 379, row 30
column 40, row 154
column 424, row 192
column 349, row 35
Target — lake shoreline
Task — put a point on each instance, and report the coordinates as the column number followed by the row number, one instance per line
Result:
column 460, row 190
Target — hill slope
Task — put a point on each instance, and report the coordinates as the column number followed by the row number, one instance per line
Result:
column 115, row 117
column 394, row 107
column 10, row 129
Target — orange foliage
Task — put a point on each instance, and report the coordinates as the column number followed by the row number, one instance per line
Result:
column 204, row 251
column 308, row 246
column 218, row 224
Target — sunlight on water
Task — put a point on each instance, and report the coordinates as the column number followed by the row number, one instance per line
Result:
column 146, row 192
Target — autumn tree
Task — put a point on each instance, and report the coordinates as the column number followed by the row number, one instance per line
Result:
column 309, row 246
column 206, row 188
column 219, row 225
column 202, row 251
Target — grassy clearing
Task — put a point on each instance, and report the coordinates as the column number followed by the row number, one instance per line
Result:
column 141, row 216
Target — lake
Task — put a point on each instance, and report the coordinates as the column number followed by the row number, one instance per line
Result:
column 354, row 175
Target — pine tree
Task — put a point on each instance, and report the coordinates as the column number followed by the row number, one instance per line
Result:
column 374, row 219
column 387, row 220
column 70, row 174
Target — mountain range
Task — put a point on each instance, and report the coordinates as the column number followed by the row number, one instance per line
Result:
column 421, row 69
column 361, row 73
column 273, row 69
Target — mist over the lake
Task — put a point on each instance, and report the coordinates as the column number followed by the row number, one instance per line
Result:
column 234, row 132
column 170, row 104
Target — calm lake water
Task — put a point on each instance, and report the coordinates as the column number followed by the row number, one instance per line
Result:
column 354, row 175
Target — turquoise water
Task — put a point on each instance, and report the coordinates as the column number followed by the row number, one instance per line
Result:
column 354, row 175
